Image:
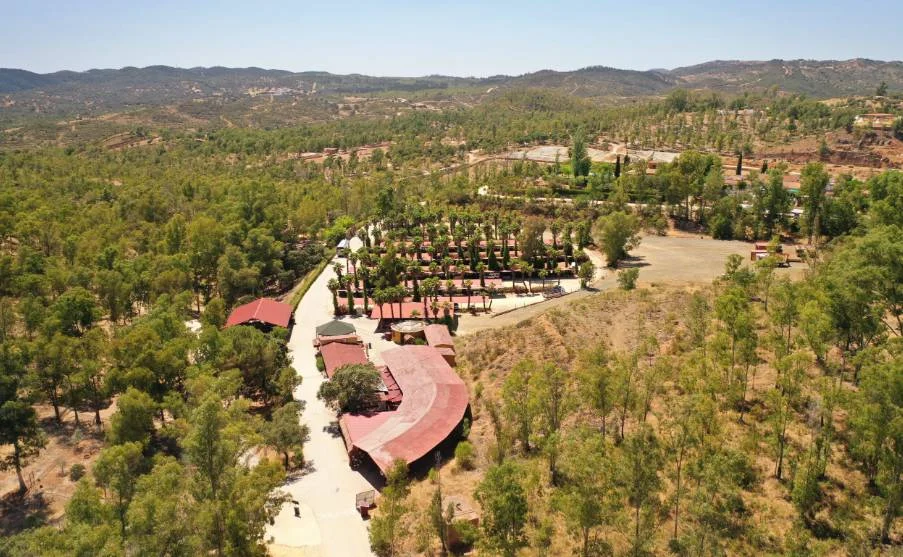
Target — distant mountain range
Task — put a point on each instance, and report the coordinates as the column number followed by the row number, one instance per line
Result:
column 97, row 90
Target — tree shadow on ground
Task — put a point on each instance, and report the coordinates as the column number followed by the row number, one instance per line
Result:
column 298, row 473
column 632, row 262
column 333, row 429
column 21, row 512
column 371, row 473
column 68, row 434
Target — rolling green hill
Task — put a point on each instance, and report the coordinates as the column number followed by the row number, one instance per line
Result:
column 93, row 90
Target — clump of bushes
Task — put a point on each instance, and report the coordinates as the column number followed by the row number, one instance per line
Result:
column 77, row 471
column 627, row 278
column 464, row 455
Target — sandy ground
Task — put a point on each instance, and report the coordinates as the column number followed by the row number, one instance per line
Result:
column 47, row 475
column 548, row 153
column 328, row 524
column 683, row 259
column 672, row 260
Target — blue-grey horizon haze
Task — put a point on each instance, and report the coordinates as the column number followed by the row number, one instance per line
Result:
column 466, row 38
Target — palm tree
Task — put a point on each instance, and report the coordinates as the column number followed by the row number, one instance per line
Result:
column 353, row 258
column 398, row 294
column 468, row 285
column 430, row 288
column 491, row 291
column 337, row 267
column 515, row 267
column 365, row 276
column 379, row 298
column 363, row 236
column 555, row 228
column 542, row 275
column 481, row 268
column 434, row 307
column 333, row 286
column 413, row 271
column 450, row 288
column 349, row 294
column 527, row 273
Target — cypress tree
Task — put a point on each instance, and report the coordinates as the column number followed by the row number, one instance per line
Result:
column 618, row 167
column 740, row 164
column 764, row 167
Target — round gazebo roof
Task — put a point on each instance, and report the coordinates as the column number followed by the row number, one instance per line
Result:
column 407, row 327
column 335, row 328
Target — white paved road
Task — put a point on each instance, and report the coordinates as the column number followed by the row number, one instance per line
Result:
column 328, row 525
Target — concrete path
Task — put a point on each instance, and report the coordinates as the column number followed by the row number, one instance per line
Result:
column 329, row 525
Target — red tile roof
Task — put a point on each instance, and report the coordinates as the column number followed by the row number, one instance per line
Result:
column 435, row 400
column 393, row 394
column 264, row 310
column 338, row 354
column 438, row 335
column 358, row 426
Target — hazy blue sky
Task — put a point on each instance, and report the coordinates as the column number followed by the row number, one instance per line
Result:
column 457, row 38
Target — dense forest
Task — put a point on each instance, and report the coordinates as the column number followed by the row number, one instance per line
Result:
column 106, row 254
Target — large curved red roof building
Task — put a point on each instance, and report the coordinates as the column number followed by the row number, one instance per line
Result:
column 434, row 401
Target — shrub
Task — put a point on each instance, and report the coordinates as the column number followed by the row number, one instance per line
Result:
column 321, row 365
column 467, row 535
column 464, row 455
column 298, row 457
column 627, row 278
column 77, row 471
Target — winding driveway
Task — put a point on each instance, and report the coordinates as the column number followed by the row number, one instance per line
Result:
column 324, row 493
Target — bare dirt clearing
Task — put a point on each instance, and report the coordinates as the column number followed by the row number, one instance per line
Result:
column 47, row 476
column 662, row 260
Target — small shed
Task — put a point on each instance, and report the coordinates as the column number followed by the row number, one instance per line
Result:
column 439, row 337
column 264, row 313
